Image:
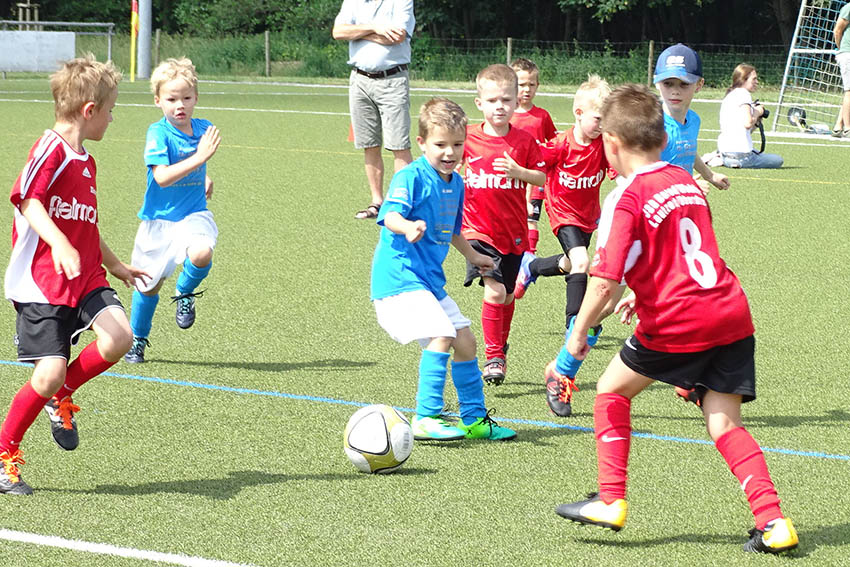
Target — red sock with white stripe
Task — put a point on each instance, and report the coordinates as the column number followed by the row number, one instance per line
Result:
column 86, row 366
column 613, row 428
column 746, row 461
column 24, row 409
column 507, row 319
column 533, row 239
column 491, row 326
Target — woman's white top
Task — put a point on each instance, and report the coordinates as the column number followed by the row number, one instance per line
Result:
column 734, row 136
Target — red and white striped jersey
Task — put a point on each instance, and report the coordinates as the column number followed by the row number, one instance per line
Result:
column 64, row 182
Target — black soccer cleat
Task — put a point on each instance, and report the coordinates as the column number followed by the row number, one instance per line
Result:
column 10, row 477
column 136, row 354
column 559, row 391
column 185, row 315
column 494, row 371
column 594, row 511
column 777, row 536
column 63, row 426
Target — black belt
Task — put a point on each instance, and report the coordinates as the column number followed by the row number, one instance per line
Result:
column 382, row 74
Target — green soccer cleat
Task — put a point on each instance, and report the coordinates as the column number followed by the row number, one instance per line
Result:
column 777, row 536
column 435, row 428
column 486, row 428
column 594, row 511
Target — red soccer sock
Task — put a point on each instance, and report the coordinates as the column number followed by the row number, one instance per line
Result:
column 507, row 318
column 86, row 366
column 491, row 325
column 533, row 239
column 613, row 428
column 24, row 409
column 746, row 461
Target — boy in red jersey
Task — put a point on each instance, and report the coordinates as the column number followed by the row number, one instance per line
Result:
column 575, row 168
column 500, row 161
column 537, row 122
column 55, row 277
column 695, row 329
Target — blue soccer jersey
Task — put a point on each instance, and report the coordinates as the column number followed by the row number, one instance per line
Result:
column 681, row 146
column 166, row 145
column 417, row 192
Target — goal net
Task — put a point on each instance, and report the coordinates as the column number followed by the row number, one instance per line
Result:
column 811, row 93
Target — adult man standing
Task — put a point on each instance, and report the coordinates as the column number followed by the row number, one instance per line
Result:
column 378, row 34
column 842, row 40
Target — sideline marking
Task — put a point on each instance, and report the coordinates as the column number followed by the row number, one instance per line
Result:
column 107, row 549
column 322, row 399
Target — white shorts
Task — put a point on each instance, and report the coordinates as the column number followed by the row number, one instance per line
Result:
column 843, row 60
column 161, row 245
column 419, row 316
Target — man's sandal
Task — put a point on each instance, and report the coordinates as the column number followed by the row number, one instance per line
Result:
column 370, row 212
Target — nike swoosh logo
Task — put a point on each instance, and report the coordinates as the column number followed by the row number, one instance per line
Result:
column 629, row 344
column 746, row 482
column 474, row 159
column 607, row 439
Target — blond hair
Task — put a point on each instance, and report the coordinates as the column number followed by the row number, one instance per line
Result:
column 171, row 69
column 441, row 112
column 80, row 81
column 634, row 114
column 591, row 94
column 523, row 64
column 499, row 73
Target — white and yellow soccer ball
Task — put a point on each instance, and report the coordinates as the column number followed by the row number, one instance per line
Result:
column 378, row 439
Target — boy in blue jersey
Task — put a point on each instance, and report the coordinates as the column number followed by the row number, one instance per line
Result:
column 177, row 228
column 678, row 77
column 421, row 216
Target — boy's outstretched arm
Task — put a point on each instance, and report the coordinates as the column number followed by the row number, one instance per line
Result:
column 66, row 259
column 462, row 245
column 510, row 168
column 124, row 272
column 166, row 175
column 412, row 230
column 599, row 291
column 717, row 179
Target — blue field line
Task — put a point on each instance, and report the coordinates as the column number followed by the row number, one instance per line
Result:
column 326, row 400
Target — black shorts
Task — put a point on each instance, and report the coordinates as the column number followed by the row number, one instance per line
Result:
column 505, row 270
column 572, row 237
column 536, row 207
column 728, row 369
column 48, row 331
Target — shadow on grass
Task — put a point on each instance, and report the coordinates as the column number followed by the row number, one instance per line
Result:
column 809, row 540
column 324, row 364
column 837, row 417
column 225, row 488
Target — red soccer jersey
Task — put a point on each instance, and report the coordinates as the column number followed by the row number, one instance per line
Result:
column 494, row 210
column 687, row 299
column 64, row 182
column 574, row 174
column 538, row 123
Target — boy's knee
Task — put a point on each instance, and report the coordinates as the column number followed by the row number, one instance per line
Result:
column 464, row 345
column 115, row 345
column 200, row 256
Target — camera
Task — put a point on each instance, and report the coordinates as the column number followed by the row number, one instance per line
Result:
column 766, row 111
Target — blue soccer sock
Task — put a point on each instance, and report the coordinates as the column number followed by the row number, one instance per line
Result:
column 141, row 316
column 432, row 382
column 191, row 276
column 566, row 363
column 470, row 390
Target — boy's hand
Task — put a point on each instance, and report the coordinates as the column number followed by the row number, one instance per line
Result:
column 626, row 308
column 482, row 262
column 208, row 188
column 415, row 231
column 719, row 180
column 128, row 274
column 66, row 260
column 208, row 144
column 577, row 345
column 507, row 166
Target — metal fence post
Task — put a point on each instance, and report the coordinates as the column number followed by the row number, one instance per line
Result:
column 268, row 56
column 649, row 62
column 510, row 51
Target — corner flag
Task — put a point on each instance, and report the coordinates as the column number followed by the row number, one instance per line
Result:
column 134, row 31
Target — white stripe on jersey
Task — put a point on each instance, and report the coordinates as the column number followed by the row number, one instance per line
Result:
column 45, row 147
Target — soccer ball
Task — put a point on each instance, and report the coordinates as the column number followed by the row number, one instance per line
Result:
column 378, row 439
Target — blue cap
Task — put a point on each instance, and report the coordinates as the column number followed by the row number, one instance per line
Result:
column 678, row 61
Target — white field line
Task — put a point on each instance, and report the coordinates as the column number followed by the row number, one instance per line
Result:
column 806, row 139
column 106, row 549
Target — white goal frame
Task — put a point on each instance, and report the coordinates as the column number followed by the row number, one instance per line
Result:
column 811, row 82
